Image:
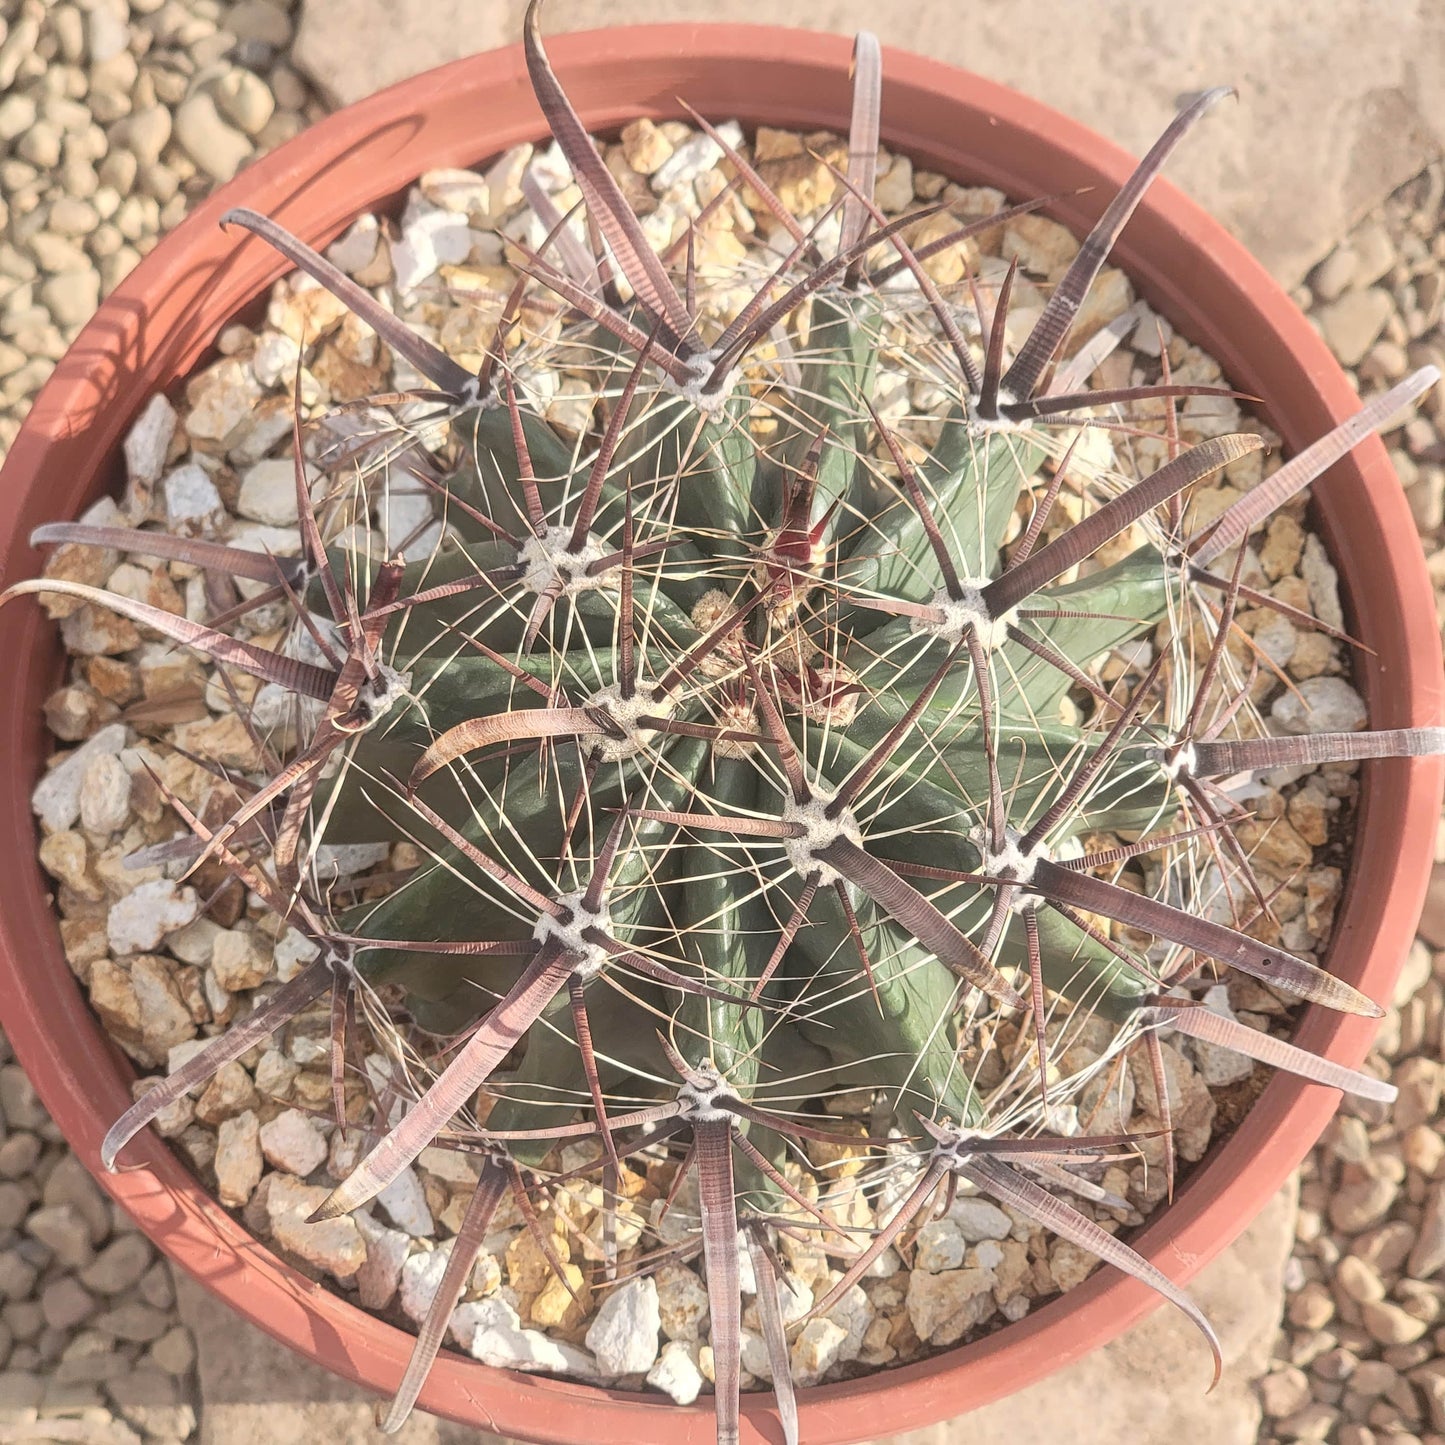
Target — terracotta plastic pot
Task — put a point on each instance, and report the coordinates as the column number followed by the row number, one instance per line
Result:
column 164, row 318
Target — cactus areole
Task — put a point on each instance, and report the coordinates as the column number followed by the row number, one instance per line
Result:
column 753, row 738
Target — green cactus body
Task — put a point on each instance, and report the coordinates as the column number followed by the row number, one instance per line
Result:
column 702, row 899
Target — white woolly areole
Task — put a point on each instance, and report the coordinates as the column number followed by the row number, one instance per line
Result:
column 1011, row 862
column 954, row 616
column 588, row 959
column 551, row 563
column 818, row 832
column 625, row 712
column 998, row 423
column 342, row 957
column 1181, row 764
column 471, row 395
column 377, row 697
column 958, row 1149
column 694, row 389
column 701, row 1102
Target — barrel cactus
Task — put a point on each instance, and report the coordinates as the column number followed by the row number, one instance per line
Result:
column 752, row 742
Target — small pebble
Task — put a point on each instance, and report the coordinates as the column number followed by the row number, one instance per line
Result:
column 623, row 1336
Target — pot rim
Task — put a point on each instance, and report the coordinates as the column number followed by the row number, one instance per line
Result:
column 164, row 317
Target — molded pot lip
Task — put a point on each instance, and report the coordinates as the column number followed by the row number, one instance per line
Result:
column 164, row 317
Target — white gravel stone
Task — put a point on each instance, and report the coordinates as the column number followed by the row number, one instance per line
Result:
column 103, row 512
column 450, row 1165
column 421, row 1277
column 275, row 1074
column 429, row 239
column 852, row 1314
column 273, row 363
column 55, row 254
column 941, row 1245
column 508, row 1348
column 283, row 541
column 293, row 952
column 355, row 249
column 105, row 795
column 148, row 442
column 57, row 796
column 406, row 512
column 551, row 169
column 1320, row 705
column 978, row 1219
column 1330, row 278
column 140, row 920
column 222, row 398
column 1323, row 582
column 164, row 1018
column 747, row 1279
column 942, row 1306
column 256, row 432
column 334, row 1245
column 344, row 1152
column 1277, row 638
column 238, row 1161
column 624, row 1334
column 795, row 1299
column 386, row 1250
column 681, row 1302
column 218, row 999
column 1219, row 1067
column 260, row 20
column 268, row 492
column 70, row 1182
column 18, row 47
column 193, row 943
column 461, row 192
column 239, row 959
column 346, row 860
column 816, row 1350
column 676, row 1373
column 307, row 1049
column 292, row 1141
column 504, row 181
column 698, row 153
column 192, row 502
column 1427, row 1256
column 893, row 191
column 495, row 1312
column 72, row 216
column 753, row 1351
column 404, row 1201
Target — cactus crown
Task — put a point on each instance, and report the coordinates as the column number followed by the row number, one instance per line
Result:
column 752, row 736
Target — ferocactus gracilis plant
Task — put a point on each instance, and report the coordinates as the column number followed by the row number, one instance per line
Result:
column 750, row 741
